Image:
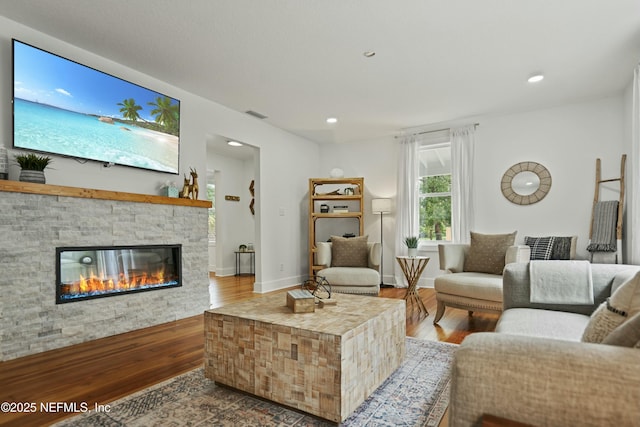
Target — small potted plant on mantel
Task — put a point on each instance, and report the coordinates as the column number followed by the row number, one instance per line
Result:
column 33, row 167
column 412, row 245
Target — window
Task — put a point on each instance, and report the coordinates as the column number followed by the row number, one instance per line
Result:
column 435, row 192
column 211, row 195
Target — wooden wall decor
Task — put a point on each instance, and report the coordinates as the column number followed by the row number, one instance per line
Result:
column 252, row 192
column 232, row 198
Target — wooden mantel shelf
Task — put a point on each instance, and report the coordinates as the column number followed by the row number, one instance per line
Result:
column 88, row 193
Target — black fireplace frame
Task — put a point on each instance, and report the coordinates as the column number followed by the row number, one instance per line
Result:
column 61, row 249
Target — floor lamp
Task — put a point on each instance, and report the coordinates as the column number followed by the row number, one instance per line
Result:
column 381, row 206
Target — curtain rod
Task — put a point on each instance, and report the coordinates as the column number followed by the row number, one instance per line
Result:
column 475, row 125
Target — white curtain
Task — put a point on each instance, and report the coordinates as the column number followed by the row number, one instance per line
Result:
column 462, row 148
column 407, row 213
column 634, row 200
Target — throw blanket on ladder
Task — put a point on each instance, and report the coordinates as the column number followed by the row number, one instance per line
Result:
column 561, row 282
column 603, row 237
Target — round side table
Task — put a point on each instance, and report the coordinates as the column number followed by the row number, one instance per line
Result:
column 412, row 267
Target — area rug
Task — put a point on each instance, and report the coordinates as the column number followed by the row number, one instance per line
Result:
column 416, row 394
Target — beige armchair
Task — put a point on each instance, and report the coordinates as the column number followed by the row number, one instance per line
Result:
column 351, row 280
column 469, row 290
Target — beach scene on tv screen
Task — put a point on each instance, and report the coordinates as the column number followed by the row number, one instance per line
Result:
column 66, row 108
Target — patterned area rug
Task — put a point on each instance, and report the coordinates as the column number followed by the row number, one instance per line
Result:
column 416, row 394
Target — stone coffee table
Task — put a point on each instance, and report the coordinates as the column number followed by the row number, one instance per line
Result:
column 325, row 363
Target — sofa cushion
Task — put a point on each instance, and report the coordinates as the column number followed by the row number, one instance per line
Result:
column 542, row 323
column 625, row 335
column 357, row 276
column 471, row 285
column 487, row 252
column 623, row 302
column 349, row 252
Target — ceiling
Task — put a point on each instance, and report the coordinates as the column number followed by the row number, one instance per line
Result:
column 301, row 61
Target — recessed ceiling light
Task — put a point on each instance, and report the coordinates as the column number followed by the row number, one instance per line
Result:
column 234, row 143
column 535, row 78
column 332, row 120
column 369, row 53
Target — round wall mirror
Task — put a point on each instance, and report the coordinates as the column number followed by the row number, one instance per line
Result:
column 526, row 183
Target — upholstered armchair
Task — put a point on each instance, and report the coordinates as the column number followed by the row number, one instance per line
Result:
column 351, row 267
column 473, row 279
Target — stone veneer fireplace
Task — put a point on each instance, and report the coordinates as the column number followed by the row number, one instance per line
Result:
column 35, row 219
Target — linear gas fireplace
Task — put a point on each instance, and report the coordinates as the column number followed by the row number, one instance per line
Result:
column 94, row 272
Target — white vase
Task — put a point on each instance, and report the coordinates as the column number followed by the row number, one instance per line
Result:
column 413, row 252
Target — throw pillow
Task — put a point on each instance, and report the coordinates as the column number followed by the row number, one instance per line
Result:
column 625, row 335
column 541, row 247
column 487, row 252
column 623, row 302
column 563, row 248
column 349, row 251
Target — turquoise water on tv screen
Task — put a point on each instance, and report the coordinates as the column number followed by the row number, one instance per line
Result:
column 43, row 127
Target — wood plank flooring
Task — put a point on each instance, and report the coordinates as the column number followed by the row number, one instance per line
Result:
column 107, row 369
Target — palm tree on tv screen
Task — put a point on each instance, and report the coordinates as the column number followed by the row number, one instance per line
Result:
column 130, row 109
column 166, row 114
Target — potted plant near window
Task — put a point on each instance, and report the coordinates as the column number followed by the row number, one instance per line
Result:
column 33, row 167
column 412, row 245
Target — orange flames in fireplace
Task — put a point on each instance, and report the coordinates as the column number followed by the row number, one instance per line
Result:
column 98, row 284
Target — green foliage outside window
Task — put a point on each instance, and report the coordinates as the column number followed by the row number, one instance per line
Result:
column 435, row 206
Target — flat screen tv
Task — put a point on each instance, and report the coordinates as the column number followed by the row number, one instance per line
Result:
column 69, row 109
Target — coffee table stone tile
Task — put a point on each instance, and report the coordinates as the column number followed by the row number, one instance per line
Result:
column 325, row 363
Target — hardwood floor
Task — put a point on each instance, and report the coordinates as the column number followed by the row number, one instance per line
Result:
column 107, row 369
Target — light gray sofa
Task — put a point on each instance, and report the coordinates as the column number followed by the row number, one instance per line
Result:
column 534, row 369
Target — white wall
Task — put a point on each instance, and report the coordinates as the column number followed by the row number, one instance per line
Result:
column 566, row 139
column 287, row 161
column 234, row 223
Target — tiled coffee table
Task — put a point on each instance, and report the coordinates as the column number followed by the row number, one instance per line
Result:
column 325, row 363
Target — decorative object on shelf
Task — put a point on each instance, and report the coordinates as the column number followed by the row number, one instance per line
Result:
column 33, row 167
column 340, row 209
column 336, row 173
column 332, row 193
column 193, row 187
column 184, row 193
column 348, row 191
column 348, row 235
column 249, row 246
column 190, row 187
column 412, row 245
column 242, row 248
column 381, row 206
column 169, row 189
column 4, row 164
column 232, row 198
column 324, row 208
column 318, row 286
column 526, row 183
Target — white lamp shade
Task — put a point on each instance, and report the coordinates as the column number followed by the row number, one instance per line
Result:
column 381, row 206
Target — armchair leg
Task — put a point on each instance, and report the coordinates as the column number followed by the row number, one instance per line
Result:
column 439, row 312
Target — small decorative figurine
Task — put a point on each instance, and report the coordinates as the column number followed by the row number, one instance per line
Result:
column 184, row 194
column 193, row 188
